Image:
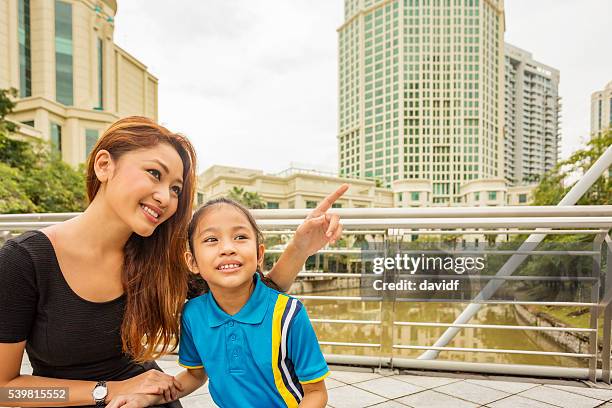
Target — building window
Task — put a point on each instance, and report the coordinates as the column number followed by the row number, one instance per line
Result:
column 100, row 74
column 200, row 198
column 272, row 205
column 28, row 122
column 56, row 137
column 522, row 198
column 25, row 56
column 492, row 195
column 477, row 196
column 91, row 138
column 414, row 196
column 336, row 205
column 63, row 53
column 311, row 204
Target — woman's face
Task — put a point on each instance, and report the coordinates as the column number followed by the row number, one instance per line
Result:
column 144, row 186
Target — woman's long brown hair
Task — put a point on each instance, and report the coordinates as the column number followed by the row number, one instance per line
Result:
column 154, row 270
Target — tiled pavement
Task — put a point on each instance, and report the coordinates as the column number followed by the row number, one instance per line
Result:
column 360, row 387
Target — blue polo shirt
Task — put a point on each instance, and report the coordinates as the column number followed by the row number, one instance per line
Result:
column 258, row 357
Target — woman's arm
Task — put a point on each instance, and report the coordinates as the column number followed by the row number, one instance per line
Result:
column 315, row 395
column 79, row 392
column 190, row 380
column 317, row 230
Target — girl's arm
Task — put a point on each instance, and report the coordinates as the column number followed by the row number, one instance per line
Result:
column 315, row 395
column 317, row 230
column 79, row 392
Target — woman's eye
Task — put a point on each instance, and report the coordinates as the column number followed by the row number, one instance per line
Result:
column 154, row 173
column 242, row 237
column 210, row 239
column 176, row 190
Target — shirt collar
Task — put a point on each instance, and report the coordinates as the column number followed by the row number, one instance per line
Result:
column 253, row 312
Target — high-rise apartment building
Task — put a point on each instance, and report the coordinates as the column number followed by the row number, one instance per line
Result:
column 601, row 109
column 532, row 112
column 73, row 81
column 421, row 93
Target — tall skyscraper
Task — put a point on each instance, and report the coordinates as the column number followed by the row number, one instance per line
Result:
column 601, row 109
column 421, row 93
column 532, row 111
column 73, row 80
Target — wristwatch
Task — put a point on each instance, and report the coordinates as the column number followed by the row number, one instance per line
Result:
column 99, row 394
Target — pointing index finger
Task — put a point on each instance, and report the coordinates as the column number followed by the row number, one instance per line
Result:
column 329, row 200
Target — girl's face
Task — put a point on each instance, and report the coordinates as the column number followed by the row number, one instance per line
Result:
column 143, row 186
column 225, row 248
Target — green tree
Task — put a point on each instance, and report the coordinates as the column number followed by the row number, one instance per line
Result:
column 552, row 188
column 6, row 107
column 32, row 177
column 246, row 198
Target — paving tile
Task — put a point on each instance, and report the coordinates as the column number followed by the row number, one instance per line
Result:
column 389, row 404
column 198, row 401
column 350, row 397
column 604, row 394
column 388, row 387
column 426, row 382
column 332, row 383
column 505, row 386
column 349, row 377
column 559, row 397
column 434, row 399
column 472, row 392
column 516, row 401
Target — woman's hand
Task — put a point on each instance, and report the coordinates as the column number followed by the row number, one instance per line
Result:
column 150, row 382
column 319, row 228
column 135, row 401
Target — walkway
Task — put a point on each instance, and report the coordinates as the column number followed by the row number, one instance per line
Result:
column 361, row 387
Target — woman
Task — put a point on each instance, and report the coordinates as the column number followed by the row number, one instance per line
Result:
column 94, row 300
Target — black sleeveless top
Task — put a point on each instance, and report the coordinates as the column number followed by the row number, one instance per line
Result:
column 66, row 336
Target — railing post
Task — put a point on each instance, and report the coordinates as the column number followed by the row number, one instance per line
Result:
column 594, row 323
column 607, row 322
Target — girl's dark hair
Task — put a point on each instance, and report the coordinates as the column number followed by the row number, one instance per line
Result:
column 197, row 285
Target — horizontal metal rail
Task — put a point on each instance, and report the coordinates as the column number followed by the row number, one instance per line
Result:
column 347, row 298
column 456, row 223
column 456, row 276
column 346, row 321
column 496, row 326
column 339, row 343
column 500, row 302
column 447, row 212
column 495, row 351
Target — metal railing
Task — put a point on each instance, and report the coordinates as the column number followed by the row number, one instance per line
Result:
column 387, row 224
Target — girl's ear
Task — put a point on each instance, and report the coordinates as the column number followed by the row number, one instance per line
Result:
column 191, row 263
column 260, row 256
column 103, row 165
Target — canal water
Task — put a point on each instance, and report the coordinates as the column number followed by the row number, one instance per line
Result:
column 426, row 336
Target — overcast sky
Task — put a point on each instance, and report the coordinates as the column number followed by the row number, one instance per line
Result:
column 254, row 83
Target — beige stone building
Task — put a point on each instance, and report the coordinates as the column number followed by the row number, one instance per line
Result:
column 300, row 188
column 601, row 109
column 293, row 188
column 73, row 80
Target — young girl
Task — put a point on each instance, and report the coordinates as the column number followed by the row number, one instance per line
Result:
column 255, row 343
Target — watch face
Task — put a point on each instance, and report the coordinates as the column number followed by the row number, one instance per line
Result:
column 99, row 392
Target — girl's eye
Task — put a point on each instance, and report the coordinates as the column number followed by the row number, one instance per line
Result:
column 176, row 190
column 155, row 173
column 210, row 239
column 242, row 237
